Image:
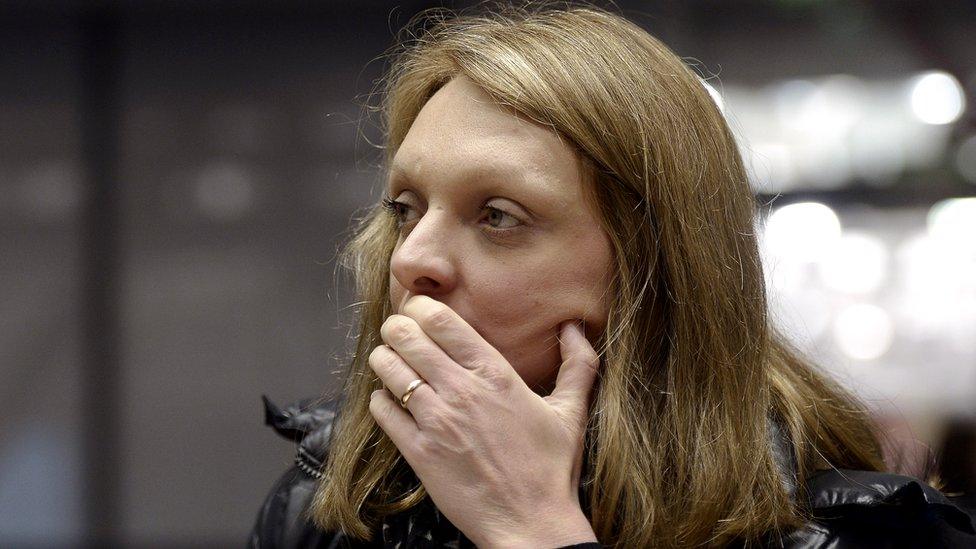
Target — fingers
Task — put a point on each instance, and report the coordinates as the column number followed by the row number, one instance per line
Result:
column 458, row 339
column 396, row 422
column 578, row 372
column 397, row 375
column 405, row 336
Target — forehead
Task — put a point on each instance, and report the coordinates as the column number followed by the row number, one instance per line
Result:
column 462, row 129
column 411, row 167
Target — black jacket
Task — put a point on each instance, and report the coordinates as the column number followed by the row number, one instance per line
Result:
column 850, row 508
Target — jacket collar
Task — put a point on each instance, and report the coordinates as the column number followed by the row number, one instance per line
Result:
column 782, row 455
column 308, row 423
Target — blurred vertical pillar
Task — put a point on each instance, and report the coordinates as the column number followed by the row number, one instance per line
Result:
column 100, row 121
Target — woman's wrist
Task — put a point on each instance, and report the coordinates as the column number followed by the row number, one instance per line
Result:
column 567, row 529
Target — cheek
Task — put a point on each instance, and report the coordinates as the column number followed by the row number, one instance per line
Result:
column 505, row 310
column 512, row 298
column 520, row 314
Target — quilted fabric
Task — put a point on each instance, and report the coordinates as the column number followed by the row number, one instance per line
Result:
column 848, row 508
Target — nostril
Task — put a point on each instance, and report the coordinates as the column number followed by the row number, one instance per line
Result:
column 426, row 283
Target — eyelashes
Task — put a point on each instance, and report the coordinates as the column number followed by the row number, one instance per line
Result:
column 394, row 208
column 497, row 220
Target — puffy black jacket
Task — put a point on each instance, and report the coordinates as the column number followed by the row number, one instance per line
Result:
column 851, row 509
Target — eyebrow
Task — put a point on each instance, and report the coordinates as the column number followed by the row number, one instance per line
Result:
column 492, row 171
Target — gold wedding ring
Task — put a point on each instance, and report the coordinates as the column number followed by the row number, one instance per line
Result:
column 410, row 388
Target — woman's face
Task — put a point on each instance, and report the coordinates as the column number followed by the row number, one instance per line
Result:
column 493, row 223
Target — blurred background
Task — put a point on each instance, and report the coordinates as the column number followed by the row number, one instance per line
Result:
column 176, row 176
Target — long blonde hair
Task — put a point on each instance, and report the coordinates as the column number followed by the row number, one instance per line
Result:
column 678, row 450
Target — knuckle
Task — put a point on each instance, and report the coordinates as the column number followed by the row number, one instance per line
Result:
column 377, row 409
column 438, row 315
column 383, row 358
column 391, row 361
column 480, row 363
column 432, row 418
column 375, row 356
column 589, row 358
column 427, row 446
column 497, row 381
column 397, row 328
column 463, row 397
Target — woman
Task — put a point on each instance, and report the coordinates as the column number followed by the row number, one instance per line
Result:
column 563, row 334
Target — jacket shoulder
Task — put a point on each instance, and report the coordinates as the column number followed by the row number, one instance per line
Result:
column 282, row 520
column 308, row 423
column 851, row 508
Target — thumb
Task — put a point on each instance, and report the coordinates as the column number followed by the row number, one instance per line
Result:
column 578, row 372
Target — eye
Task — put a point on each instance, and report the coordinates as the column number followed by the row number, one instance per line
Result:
column 499, row 219
column 401, row 211
column 494, row 219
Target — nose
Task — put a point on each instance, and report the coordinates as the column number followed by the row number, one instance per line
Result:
column 423, row 263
